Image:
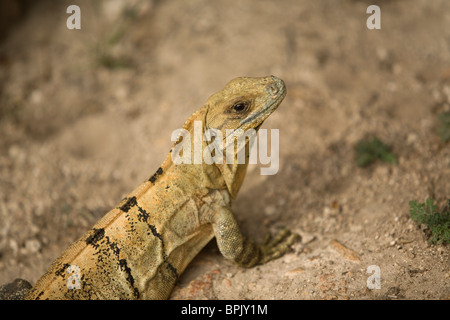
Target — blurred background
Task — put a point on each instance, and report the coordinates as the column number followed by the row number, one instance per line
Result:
column 86, row 115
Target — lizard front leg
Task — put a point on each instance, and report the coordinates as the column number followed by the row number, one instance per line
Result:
column 243, row 251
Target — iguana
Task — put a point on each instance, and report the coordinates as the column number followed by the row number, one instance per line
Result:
column 139, row 249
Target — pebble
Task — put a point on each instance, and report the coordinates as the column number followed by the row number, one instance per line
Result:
column 294, row 272
column 307, row 238
column 347, row 253
column 270, row 210
column 32, row 246
column 14, row 246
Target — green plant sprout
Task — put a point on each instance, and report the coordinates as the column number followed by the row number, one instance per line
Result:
column 368, row 152
column 444, row 129
column 104, row 49
column 437, row 222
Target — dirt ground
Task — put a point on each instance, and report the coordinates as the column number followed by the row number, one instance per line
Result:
column 86, row 116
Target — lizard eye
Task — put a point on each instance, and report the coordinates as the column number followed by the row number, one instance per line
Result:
column 239, row 107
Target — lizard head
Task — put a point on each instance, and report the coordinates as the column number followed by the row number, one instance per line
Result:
column 242, row 105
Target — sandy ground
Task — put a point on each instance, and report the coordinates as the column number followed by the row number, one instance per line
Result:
column 86, row 115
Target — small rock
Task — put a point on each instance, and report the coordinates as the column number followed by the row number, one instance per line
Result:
column 294, row 272
column 307, row 238
column 411, row 138
column 32, row 246
column 348, row 254
column 270, row 210
column 14, row 246
column 15, row 290
column 227, row 282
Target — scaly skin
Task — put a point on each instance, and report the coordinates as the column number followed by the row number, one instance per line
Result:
column 140, row 248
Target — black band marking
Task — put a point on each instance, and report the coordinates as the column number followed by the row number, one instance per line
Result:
column 155, row 176
column 96, row 236
column 172, row 269
column 131, row 202
column 124, row 267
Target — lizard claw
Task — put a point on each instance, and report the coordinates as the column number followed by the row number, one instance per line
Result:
column 275, row 247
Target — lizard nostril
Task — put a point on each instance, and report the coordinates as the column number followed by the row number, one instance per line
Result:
column 273, row 89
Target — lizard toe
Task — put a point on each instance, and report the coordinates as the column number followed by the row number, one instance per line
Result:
column 277, row 246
